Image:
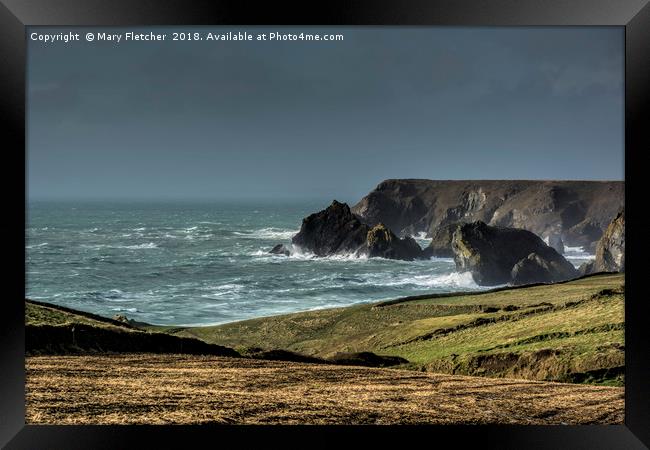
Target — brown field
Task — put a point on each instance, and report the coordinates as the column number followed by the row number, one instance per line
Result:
column 184, row 389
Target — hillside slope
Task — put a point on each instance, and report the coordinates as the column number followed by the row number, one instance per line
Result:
column 51, row 329
column 571, row 331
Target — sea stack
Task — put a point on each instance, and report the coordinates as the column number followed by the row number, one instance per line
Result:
column 500, row 255
column 336, row 231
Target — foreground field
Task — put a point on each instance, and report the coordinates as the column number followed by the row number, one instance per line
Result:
column 186, row 389
column 571, row 332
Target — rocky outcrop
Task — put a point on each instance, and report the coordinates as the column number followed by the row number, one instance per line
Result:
column 381, row 242
column 440, row 246
column 368, row 359
column 280, row 249
column 499, row 255
column 610, row 250
column 539, row 269
column 335, row 230
column 577, row 212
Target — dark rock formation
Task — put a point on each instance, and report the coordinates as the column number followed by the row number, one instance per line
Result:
column 538, row 269
column 381, row 242
column 280, row 249
column 491, row 253
column 283, row 355
column 586, row 268
column 440, row 245
column 576, row 211
column 368, row 359
column 610, row 251
column 74, row 338
column 334, row 230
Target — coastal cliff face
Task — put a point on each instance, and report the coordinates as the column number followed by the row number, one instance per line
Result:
column 610, row 251
column 575, row 212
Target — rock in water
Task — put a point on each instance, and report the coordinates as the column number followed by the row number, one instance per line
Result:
column 491, row 253
column 280, row 249
column 610, row 251
column 538, row 269
column 334, row 230
column 381, row 242
column 440, row 245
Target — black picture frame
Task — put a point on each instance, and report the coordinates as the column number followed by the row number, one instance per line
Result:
column 15, row 15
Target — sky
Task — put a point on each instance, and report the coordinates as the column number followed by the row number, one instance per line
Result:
column 296, row 119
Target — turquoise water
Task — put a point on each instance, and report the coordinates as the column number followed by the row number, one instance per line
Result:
column 190, row 263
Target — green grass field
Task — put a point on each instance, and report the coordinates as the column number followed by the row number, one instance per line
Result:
column 40, row 314
column 570, row 331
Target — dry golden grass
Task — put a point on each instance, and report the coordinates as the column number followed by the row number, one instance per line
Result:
column 182, row 389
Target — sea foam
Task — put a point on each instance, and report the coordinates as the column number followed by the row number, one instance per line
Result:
column 267, row 233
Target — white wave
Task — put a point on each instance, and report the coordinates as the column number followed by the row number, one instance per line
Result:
column 580, row 257
column 574, row 254
column 454, row 279
column 422, row 239
column 222, row 290
column 302, row 254
column 37, row 245
column 120, row 309
column 267, row 233
column 148, row 245
column 446, row 260
column 138, row 246
column 568, row 249
column 140, row 229
column 422, row 235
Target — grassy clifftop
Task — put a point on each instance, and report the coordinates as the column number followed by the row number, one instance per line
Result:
column 51, row 329
column 570, row 331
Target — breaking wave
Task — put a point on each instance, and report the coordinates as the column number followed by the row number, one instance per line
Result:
column 267, row 233
column 147, row 245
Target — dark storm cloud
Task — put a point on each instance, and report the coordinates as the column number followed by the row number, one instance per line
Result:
column 307, row 119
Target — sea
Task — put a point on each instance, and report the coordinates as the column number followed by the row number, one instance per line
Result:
column 193, row 263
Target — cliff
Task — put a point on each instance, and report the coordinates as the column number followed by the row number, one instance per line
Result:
column 578, row 212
